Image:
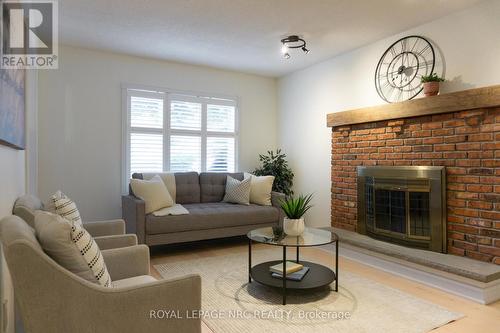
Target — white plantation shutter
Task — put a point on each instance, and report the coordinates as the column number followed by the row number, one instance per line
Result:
column 146, row 133
column 220, row 118
column 221, row 137
column 146, row 152
column 202, row 134
column 185, row 115
column 146, row 112
column 185, row 153
column 220, row 154
column 172, row 132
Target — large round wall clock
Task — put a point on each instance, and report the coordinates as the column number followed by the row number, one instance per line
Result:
column 401, row 67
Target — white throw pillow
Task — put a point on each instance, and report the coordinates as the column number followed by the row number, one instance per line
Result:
column 65, row 207
column 260, row 189
column 153, row 192
column 237, row 191
column 72, row 247
column 168, row 179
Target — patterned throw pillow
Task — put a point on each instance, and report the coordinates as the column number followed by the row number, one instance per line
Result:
column 91, row 253
column 237, row 191
column 66, row 208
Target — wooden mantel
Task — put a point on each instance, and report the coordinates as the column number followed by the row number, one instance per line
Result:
column 486, row 97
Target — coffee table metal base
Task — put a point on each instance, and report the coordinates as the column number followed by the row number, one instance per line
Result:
column 317, row 276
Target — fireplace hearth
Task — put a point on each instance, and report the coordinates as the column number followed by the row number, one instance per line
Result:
column 404, row 205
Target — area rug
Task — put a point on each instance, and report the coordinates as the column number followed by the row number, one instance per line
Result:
column 230, row 304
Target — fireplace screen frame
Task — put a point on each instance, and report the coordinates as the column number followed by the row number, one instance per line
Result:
column 427, row 179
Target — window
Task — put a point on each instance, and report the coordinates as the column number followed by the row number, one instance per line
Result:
column 166, row 131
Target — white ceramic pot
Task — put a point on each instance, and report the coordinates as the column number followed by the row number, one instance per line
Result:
column 293, row 227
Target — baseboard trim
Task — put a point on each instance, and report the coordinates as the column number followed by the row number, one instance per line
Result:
column 479, row 292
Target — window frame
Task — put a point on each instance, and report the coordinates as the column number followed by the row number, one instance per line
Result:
column 129, row 90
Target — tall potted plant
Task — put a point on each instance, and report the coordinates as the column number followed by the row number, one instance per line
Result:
column 431, row 84
column 275, row 164
column 294, row 209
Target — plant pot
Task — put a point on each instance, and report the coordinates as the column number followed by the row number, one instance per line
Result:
column 293, row 227
column 431, row 88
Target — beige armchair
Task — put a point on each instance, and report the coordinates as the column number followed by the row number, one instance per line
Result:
column 108, row 234
column 52, row 299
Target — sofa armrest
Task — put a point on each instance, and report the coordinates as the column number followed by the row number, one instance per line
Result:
column 276, row 200
column 127, row 262
column 116, row 241
column 137, row 308
column 134, row 214
column 105, row 228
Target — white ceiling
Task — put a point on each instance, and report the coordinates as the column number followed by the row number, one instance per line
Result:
column 241, row 35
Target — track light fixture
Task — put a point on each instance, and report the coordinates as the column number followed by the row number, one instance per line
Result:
column 292, row 42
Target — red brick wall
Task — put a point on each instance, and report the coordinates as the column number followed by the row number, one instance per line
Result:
column 467, row 143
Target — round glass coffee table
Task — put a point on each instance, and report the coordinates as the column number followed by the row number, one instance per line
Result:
column 317, row 276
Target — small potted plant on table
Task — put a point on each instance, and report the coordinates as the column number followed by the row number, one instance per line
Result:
column 431, row 84
column 294, row 209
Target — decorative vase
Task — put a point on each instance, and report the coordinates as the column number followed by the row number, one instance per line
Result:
column 293, row 227
column 431, row 88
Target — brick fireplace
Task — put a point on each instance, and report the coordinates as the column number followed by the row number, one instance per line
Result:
column 464, row 138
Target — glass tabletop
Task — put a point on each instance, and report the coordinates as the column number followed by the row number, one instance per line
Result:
column 310, row 237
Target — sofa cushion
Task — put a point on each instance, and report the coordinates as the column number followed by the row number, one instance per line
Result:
column 213, row 185
column 187, row 187
column 204, row 216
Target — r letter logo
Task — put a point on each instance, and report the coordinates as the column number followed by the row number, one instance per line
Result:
column 29, row 33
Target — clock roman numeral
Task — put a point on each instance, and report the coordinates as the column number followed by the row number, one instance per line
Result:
column 424, row 50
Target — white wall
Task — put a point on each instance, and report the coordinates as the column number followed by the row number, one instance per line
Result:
column 14, row 183
column 12, row 178
column 470, row 43
column 80, row 120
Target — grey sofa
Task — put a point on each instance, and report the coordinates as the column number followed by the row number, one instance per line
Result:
column 108, row 234
column 208, row 218
column 52, row 299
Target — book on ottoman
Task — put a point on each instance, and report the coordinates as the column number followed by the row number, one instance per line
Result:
column 295, row 276
column 290, row 267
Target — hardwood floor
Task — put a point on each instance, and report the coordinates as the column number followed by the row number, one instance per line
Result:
column 478, row 318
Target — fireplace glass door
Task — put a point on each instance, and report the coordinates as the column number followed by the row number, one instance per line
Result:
column 398, row 207
column 403, row 205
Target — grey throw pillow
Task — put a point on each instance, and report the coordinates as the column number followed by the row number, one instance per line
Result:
column 237, row 191
column 72, row 247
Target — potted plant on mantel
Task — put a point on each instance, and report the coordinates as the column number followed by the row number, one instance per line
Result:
column 294, row 209
column 431, row 84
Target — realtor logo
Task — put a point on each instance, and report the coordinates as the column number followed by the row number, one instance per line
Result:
column 29, row 33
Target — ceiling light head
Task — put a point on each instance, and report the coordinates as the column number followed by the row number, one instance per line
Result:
column 292, row 42
column 284, row 49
